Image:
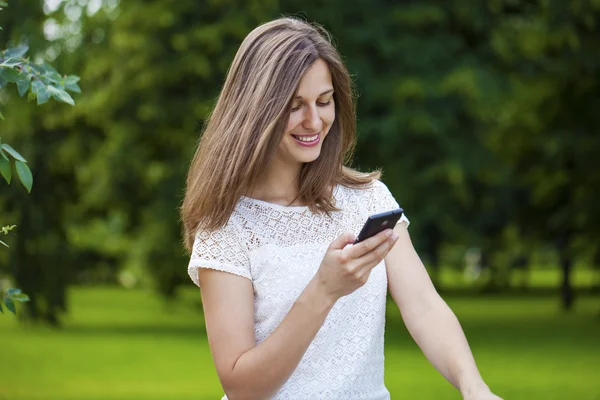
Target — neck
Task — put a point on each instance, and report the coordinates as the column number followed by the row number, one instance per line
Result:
column 280, row 183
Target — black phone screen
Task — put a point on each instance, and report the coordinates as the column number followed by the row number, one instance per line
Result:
column 379, row 222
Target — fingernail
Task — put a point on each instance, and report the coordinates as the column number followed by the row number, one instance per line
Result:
column 394, row 236
column 389, row 233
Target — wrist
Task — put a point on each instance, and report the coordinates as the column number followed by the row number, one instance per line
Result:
column 318, row 296
column 470, row 388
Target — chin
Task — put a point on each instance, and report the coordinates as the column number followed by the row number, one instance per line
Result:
column 308, row 157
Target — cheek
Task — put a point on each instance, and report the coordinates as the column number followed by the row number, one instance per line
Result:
column 293, row 121
column 329, row 116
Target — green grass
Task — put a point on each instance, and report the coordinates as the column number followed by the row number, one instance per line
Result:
column 128, row 345
column 536, row 279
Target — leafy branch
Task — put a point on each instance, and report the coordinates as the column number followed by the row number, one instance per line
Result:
column 20, row 165
column 5, row 230
column 42, row 82
column 10, row 297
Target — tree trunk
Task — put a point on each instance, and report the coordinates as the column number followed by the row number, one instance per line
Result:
column 566, row 265
column 566, row 289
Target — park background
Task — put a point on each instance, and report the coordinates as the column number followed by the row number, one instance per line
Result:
column 484, row 116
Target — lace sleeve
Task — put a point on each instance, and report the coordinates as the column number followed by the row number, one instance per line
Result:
column 382, row 200
column 222, row 250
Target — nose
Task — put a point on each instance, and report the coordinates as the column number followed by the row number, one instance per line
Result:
column 312, row 119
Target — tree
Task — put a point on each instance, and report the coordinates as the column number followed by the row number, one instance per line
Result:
column 469, row 108
column 545, row 126
column 42, row 82
column 482, row 115
column 110, row 205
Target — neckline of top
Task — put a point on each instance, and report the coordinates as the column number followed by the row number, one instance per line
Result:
column 280, row 206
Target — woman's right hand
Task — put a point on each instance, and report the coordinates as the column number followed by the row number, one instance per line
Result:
column 346, row 268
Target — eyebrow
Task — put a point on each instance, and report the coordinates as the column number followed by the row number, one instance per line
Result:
column 324, row 93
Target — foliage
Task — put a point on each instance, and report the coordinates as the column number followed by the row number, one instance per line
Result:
column 41, row 81
column 10, row 297
column 20, row 165
column 481, row 115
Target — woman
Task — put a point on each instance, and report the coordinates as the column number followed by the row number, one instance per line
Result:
column 292, row 310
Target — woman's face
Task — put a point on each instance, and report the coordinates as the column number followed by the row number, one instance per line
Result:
column 311, row 116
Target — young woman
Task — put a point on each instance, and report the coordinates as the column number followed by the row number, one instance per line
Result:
column 292, row 310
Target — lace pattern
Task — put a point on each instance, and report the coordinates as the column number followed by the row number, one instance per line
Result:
column 280, row 249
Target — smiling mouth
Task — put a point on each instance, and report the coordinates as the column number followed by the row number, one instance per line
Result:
column 307, row 139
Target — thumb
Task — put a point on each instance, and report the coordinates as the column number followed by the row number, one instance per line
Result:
column 341, row 241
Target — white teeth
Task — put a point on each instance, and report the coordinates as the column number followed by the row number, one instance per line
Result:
column 307, row 138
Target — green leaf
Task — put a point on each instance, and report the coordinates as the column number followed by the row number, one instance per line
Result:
column 15, row 52
column 49, row 69
column 3, row 82
column 12, row 291
column 10, row 305
column 22, row 297
column 16, row 295
column 24, row 174
column 1, row 242
column 73, row 87
column 43, row 95
column 1, row 309
column 11, row 62
column 11, row 75
column 72, row 79
column 71, row 83
column 38, row 70
column 52, row 78
column 36, row 86
column 23, row 86
column 2, row 116
column 5, row 168
column 13, row 152
column 60, row 95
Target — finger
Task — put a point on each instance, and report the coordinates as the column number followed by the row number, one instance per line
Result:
column 374, row 257
column 341, row 241
column 360, row 249
column 363, row 275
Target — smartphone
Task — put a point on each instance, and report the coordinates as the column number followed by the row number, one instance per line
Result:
column 379, row 222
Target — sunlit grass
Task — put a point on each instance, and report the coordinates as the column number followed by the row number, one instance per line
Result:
column 537, row 278
column 525, row 348
column 128, row 345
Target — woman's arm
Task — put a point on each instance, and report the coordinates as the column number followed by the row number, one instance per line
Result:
column 430, row 321
column 248, row 371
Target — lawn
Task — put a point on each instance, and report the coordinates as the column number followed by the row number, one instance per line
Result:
column 128, row 345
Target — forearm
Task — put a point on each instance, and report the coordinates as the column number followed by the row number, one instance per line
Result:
column 261, row 371
column 438, row 333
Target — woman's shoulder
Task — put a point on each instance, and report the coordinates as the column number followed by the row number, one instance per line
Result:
column 356, row 197
column 361, row 191
column 374, row 196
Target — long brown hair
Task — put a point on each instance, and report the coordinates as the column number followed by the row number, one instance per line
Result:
column 248, row 122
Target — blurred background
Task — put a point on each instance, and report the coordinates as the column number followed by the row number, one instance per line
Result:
column 484, row 116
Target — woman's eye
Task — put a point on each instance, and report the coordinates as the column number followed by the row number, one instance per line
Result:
column 320, row 104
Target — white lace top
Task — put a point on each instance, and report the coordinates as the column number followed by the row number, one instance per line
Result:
column 280, row 248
